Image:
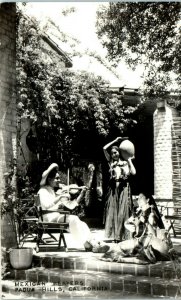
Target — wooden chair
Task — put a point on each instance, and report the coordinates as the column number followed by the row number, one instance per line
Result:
column 28, row 225
column 174, row 225
column 51, row 227
column 171, row 212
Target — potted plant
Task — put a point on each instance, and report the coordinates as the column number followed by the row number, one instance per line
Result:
column 4, row 263
column 12, row 211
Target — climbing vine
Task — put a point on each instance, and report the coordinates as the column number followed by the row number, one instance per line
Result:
column 74, row 113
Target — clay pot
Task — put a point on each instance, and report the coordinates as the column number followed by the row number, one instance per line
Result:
column 127, row 149
column 21, row 258
column 160, row 246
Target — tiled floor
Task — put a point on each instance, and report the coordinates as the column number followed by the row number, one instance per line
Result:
column 77, row 248
column 122, row 280
column 97, row 234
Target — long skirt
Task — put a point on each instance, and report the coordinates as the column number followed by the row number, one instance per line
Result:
column 117, row 210
column 151, row 249
column 79, row 229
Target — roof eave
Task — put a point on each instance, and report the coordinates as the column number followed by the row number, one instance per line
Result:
column 53, row 45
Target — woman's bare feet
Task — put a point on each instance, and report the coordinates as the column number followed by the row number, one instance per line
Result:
column 100, row 247
column 88, row 246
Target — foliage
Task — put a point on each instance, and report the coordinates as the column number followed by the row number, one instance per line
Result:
column 25, row 187
column 74, row 112
column 147, row 34
column 4, row 263
column 11, row 205
column 68, row 11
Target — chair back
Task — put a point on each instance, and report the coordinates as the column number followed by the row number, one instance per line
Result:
column 38, row 207
column 28, row 207
column 29, row 217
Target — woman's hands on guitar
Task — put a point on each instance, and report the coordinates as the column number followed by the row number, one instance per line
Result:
column 130, row 224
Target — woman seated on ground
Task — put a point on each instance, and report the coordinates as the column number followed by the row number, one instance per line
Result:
column 150, row 241
column 50, row 200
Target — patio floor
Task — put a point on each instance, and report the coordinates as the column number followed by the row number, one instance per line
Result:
column 77, row 273
column 78, row 249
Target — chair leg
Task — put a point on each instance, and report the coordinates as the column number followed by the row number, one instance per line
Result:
column 24, row 237
column 39, row 238
column 52, row 236
column 62, row 238
column 64, row 241
column 172, row 227
column 29, row 232
column 37, row 248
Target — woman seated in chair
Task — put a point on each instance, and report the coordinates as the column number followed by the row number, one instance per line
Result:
column 50, row 200
column 150, row 241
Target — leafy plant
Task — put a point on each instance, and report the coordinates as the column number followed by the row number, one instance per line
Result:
column 4, row 263
column 71, row 111
column 9, row 205
column 146, row 34
column 12, row 205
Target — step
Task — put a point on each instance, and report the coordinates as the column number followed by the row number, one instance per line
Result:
column 91, row 262
column 88, row 261
column 56, row 283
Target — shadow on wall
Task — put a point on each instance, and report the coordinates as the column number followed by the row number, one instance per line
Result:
column 142, row 138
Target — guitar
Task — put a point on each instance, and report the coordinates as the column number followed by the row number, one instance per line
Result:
column 137, row 222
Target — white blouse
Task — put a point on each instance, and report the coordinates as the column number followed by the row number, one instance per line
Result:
column 47, row 202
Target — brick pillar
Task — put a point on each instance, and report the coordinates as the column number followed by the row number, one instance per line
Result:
column 163, row 170
column 176, row 157
column 7, row 102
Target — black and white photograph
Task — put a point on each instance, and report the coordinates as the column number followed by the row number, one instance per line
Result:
column 90, row 150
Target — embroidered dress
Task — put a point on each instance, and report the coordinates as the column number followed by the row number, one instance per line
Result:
column 119, row 202
column 152, row 244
